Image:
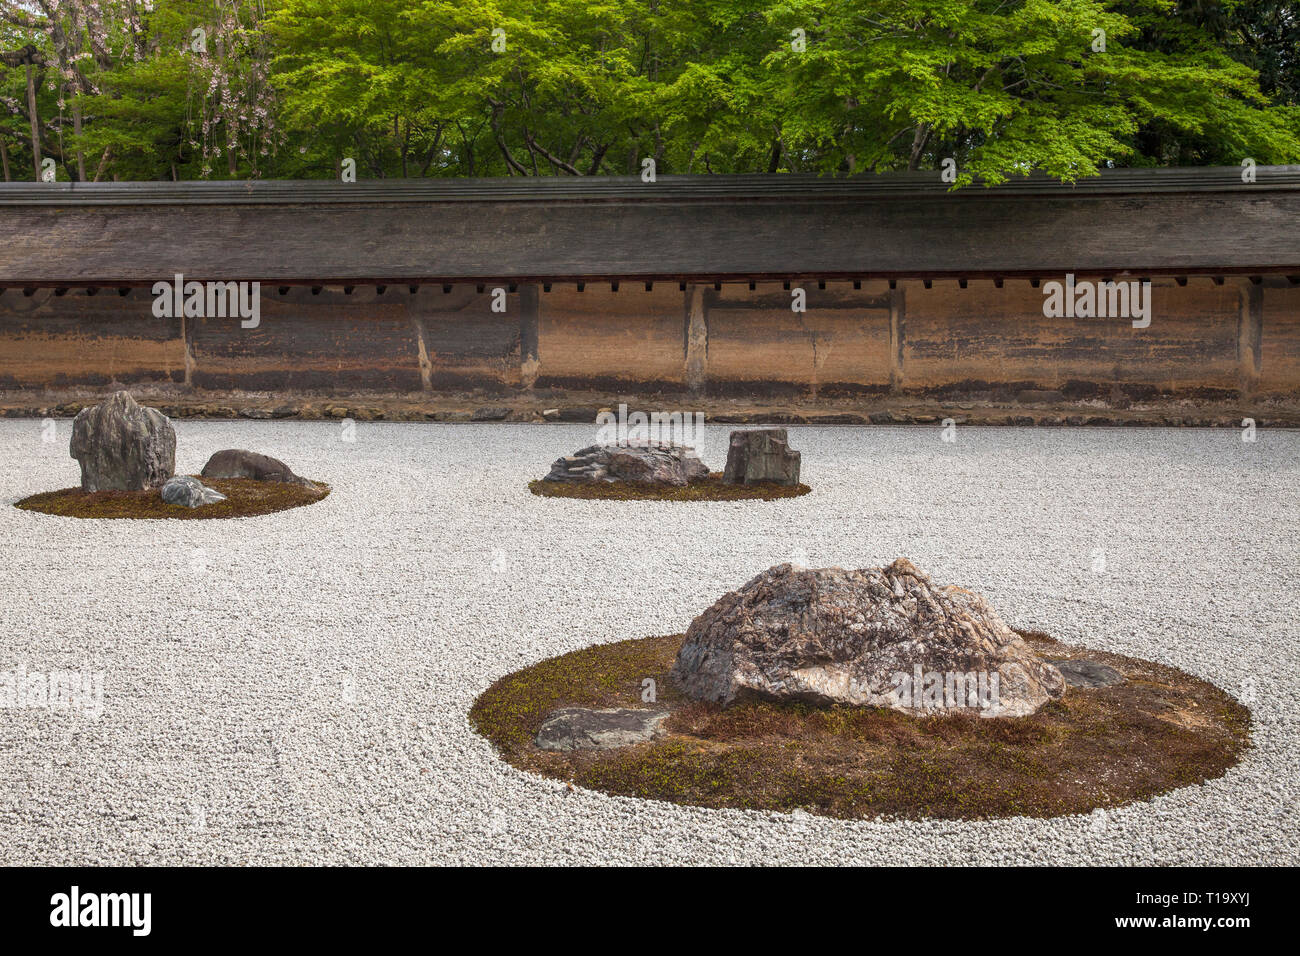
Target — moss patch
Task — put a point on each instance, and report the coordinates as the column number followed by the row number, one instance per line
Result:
column 712, row 488
column 244, row 497
column 1104, row 747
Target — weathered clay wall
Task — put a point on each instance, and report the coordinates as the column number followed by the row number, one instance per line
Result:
column 1204, row 338
column 1279, row 364
column 986, row 335
column 76, row 339
column 598, row 338
column 757, row 343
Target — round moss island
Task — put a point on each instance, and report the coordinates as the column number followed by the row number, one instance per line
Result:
column 245, row 497
column 1101, row 744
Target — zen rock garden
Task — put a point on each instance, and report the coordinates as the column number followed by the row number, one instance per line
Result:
column 127, row 454
column 760, row 464
column 860, row 693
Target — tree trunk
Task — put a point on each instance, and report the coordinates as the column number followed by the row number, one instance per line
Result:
column 36, row 123
column 76, row 128
column 918, row 145
column 775, row 162
column 4, row 157
column 103, row 163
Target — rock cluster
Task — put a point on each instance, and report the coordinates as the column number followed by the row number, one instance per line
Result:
column 238, row 463
column 761, row 454
column 122, row 446
column 642, row 462
column 881, row 636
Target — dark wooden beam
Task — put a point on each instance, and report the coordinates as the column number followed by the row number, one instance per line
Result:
column 1250, row 337
column 529, row 335
column 696, row 340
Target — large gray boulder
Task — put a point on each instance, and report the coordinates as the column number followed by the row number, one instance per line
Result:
column 885, row 637
column 238, row 463
column 189, row 492
column 642, row 462
column 761, row 454
column 122, row 446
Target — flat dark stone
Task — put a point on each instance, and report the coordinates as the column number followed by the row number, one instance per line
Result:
column 1078, row 673
column 585, row 414
column 1039, row 396
column 846, row 418
column 583, row 728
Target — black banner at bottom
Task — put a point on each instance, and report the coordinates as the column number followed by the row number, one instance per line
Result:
column 333, row 906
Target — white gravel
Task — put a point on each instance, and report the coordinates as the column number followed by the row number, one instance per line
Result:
column 293, row 688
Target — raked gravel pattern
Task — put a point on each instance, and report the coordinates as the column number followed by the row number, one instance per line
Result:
column 292, row 688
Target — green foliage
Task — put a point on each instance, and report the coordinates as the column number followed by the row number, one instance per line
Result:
column 411, row 88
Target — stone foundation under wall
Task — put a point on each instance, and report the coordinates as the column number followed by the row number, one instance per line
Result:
column 1215, row 349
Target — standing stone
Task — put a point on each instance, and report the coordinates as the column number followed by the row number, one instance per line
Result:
column 123, row 446
column 761, row 454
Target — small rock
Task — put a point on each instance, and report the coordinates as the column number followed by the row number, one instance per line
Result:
column 1081, row 673
column 582, row 728
column 189, row 492
column 490, row 413
column 256, row 413
column 761, row 454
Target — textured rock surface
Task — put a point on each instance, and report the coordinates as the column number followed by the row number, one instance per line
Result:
column 883, row 637
column 237, row 463
column 190, row 492
column 581, row 728
column 122, row 446
column 646, row 463
column 1079, row 673
column 761, row 454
